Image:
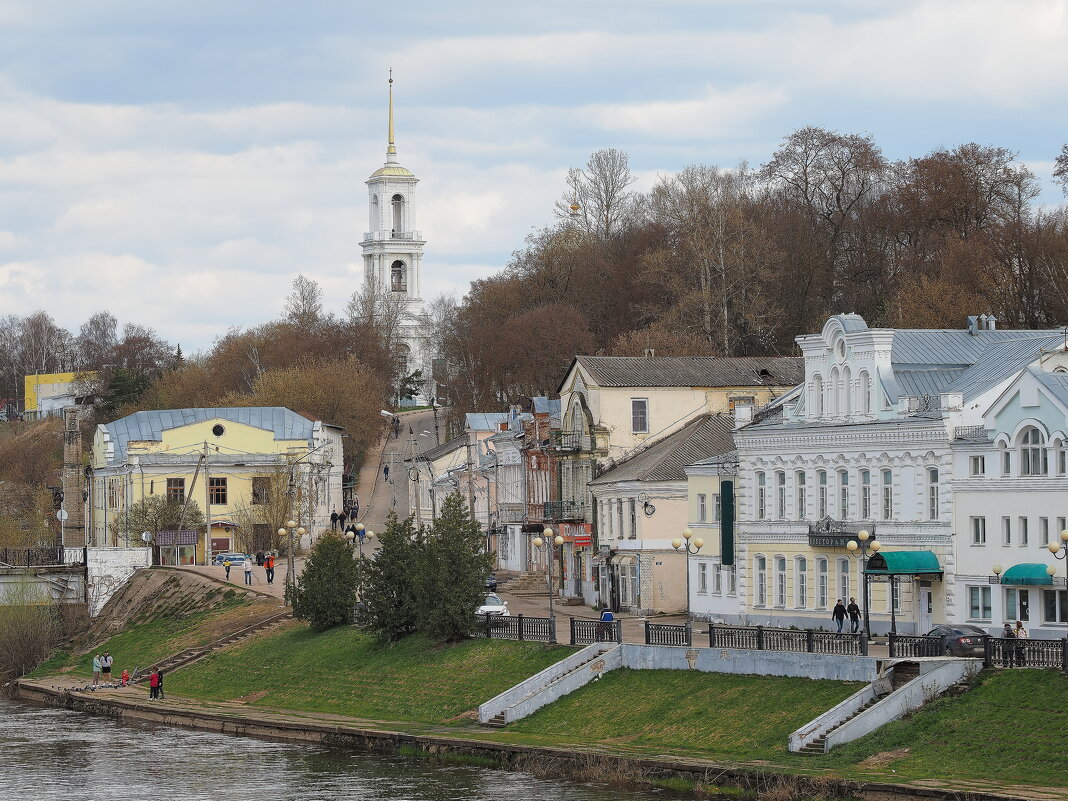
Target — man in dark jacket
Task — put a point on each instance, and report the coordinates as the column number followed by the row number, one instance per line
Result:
column 333, row 520
column 854, row 615
column 838, row 615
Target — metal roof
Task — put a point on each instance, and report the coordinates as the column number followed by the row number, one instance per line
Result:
column 953, row 346
column 694, row 371
column 485, row 421
column 925, row 382
column 430, row 454
column 549, row 406
column 149, row 426
column 1055, row 383
column 1001, row 361
column 704, row 437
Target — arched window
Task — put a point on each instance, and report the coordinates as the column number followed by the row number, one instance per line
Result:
column 832, row 393
column 780, row 495
column 1059, row 459
column 888, row 494
column 762, row 496
column 865, row 392
column 821, row 584
column 821, row 477
column 780, row 581
column 376, row 214
column 847, row 392
column 865, row 495
column 398, row 214
column 843, row 494
column 760, row 591
column 817, row 395
column 398, row 277
column 1033, row 460
column 801, row 582
column 932, row 493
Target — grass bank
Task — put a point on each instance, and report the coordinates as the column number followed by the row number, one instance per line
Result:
column 345, row 672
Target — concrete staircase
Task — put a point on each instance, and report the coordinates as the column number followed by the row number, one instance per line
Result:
column 818, row 746
column 528, row 584
column 499, row 721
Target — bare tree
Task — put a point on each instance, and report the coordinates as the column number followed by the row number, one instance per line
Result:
column 604, row 204
column 304, row 305
column 1060, row 170
column 97, row 339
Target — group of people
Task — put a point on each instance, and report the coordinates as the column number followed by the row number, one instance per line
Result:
column 1015, row 653
column 102, row 664
column 266, row 560
column 337, row 519
column 155, row 684
column 841, row 611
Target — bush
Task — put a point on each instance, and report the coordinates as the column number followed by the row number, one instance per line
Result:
column 325, row 593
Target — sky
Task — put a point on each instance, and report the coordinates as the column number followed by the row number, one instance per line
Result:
column 180, row 163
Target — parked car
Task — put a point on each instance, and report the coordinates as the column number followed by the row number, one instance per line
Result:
column 236, row 559
column 960, row 639
column 493, row 605
column 491, row 582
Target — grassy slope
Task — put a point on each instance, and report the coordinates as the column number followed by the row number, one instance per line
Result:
column 711, row 715
column 145, row 643
column 345, row 672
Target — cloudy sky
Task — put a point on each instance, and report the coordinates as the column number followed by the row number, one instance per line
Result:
column 180, row 163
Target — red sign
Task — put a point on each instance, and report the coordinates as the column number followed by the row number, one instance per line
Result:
column 578, row 533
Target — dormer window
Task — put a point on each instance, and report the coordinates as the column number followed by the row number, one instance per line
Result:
column 1033, row 459
column 840, row 349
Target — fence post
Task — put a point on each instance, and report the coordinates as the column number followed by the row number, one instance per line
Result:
column 810, row 640
column 760, row 638
column 863, row 644
column 552, row 630
column 988, row 655
column 711, row 635
column 572, row 630
column 893, row 651
column 520, row 616
column 646, row 624
column 1064, row 654
column 689, row 636
column 487, row 625
column 619, row 631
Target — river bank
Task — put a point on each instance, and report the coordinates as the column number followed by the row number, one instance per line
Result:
column 390, row 738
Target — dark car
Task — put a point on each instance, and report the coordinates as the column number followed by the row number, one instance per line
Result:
column 491, row 583
column 960, row 639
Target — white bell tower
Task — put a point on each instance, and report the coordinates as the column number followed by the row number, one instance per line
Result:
column 393, row 247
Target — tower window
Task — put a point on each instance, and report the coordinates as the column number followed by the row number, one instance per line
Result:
column 398, row 273
column 398, row 214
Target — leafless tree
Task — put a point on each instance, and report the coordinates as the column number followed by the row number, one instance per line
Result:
column 600, row 192
column 304, row 305
column 97, row 340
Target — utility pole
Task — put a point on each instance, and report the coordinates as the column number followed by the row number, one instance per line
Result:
column 185, row 505
column 207, row 510
column 413, row 475
column 290, row 563
column 470, row 477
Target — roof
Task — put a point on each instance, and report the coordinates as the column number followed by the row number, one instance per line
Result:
column 693, row 371
column 149, row 426
column 394, row 171
column 1001, row 361
column 1029, row 573
column 485, row 421
column 1055, row 383
column 891, row 563
column 549, row 406
column 446, row 447
column 703, row 437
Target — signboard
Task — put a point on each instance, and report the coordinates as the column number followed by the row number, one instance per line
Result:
column 165, row 538
column 829, row 540
column 580, row 534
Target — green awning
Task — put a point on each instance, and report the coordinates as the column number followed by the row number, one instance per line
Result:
column 1028, row 573
column 903, row 563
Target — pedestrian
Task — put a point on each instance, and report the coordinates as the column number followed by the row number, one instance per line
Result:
column 96, row 669
column 854, row 615
column 159, row 684
column 248, row 570
column 268, row 564
column 354, row 512
column 396, row 427
column 1008, row 647
column 105, row 666
column 333, row 520
column 604, row 624
column 342, row 516
column 153, row 685
column 1020, row 633
column 385, row 472
column 259, row 558
column 838, row 615
column 124, row 680
column 226, row 565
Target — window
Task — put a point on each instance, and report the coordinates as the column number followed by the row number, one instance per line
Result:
column 261, row 489
column 978, row 525
column 1061, row 458
column 702, row 578
column 717, row 579
column 977, row 465
column 800, row 490
column 1023, row 531
column 633, row 519
column 398, row 213
column 979, row 603
column 801, row 582
column 639, row 415
column 932, row 493
column 1033, row 453
column 1006, row 531
column 1055, row 606
column 176, row 490
column 1017, row 604
column 619, row 518
column 847, row 392
column 113, row 493
column 817, row 395
column 1043, row 530
column 865, row 495
column 1006, row 462
column 864, row 389
column 888, row 494
column 732, row 580
column 780, row 495
column 217, row 491
column 832, row 393
column 843, row 495
column 780, row 581
column 821, row 584
column 821, row 476
column 761, row 564
column 702, row 508
column 843, row 579
column 895, row 597
column 398, row 277
column 717, row 508
column 761, row 499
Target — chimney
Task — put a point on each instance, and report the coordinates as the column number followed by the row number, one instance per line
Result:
column 973, row 324
column 73, row 480
column 650, row 353
column 991, row 323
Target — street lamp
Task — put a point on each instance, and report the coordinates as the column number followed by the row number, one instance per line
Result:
column 1055, row 548
column 861, row 550
column 688, row 545
column 538, row 542
column 288, row 531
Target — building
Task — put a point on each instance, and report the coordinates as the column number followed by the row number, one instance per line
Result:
column 866, row 443
column 47, row 394
column 713, row 585
column 641, row 507
column 235, row 463
column 393, row 255
column 613, row 406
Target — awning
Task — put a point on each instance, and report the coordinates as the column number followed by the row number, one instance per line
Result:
column 1027, row 573
column 903, row 563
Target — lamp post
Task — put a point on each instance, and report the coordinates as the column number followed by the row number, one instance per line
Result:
column 553, row 541
column 288, row 531
column 1056, row 549
column 861, row 550
column 688, row 545
column 360, row 533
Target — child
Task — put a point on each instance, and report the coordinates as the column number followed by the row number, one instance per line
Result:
column 226, row 564
column 124, row 680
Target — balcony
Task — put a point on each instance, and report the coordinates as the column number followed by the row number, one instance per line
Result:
column 569, row 441
column 563, row 510
column 399, row 236
column 976, row 433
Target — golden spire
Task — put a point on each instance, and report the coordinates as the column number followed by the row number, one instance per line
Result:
column 392, row 149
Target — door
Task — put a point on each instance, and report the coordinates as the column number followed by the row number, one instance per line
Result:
column 926, row 609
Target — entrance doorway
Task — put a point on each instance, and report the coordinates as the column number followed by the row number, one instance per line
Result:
column 926, row 607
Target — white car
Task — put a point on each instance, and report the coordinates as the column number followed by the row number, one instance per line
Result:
column 493, row 605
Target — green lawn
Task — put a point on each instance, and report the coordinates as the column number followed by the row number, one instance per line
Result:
column 142, row 644
column 345, row 672
column 715, row 715
column 1010, row 728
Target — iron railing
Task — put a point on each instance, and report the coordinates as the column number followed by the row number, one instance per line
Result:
column 970, row 432
column 519, row 627
column 668, row 634
column 563, row 510
column 569, row 441
column 31, row 557
column 586, row 632
column 914, row 645
column 762, row 638
column 1025, row 653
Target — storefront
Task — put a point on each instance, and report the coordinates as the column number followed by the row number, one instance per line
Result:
column 180, row 548
column 911, row 576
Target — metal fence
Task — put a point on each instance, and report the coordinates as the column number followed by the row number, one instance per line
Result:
column 668, row 634
column 761, row 638
column 519, row 627
column 913, row 645
column 1005, row 652
column 586, row 632
column 31, row 557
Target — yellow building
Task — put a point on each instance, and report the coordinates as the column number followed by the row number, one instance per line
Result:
column 48, row 393
column 713, row 585
column 234, row 463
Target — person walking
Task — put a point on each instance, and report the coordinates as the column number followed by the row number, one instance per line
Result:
column 96, row 669
column 854, row 615
column 227, row 564
column 354, row 512
column 385, row 472
column 159, row 684
column 248, row 570
column 268, row 564
column 604, row 625
column 396, row 427
column 1008, row 647
column 1020, row 633
column 333, row 520
column 259, row 558
column 341, row 518
column 838, row 614
column 105, row 666
column 153, row 685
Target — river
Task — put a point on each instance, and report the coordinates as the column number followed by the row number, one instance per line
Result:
column 56, row 755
